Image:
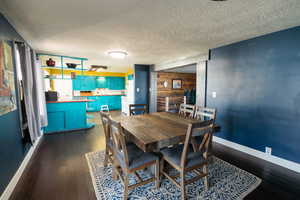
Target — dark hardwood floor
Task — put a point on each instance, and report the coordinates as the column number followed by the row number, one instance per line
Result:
column 59, row 171
column 277, row 182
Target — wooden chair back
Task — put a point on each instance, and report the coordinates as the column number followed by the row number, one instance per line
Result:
column 119, row 142
column 186, row 110
column 192, row 129
column 136, row 109
column 105, row 118
column 203, row 113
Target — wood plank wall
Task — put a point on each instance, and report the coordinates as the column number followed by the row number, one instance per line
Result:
column 175, row 95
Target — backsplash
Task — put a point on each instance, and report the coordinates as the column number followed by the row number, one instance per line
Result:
column 99, row 92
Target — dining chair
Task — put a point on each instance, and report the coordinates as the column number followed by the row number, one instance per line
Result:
column 186, row 110
column 184, row 159
column 129, row 159
column 136, row 109
column 202, row 114
column 105, row 118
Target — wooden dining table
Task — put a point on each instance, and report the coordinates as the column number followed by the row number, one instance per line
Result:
column 154, row 131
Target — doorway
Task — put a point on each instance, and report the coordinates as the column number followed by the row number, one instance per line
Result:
column 176, row 86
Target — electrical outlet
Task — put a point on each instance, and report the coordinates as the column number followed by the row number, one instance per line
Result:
column 269, row 150
column 214, row 94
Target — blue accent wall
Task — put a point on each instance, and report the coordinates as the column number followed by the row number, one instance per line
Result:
column 258, row 92
column 12, row 151
column 141, row 81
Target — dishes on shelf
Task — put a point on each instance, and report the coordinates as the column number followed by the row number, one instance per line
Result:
column 71, row 65
column 50, row 62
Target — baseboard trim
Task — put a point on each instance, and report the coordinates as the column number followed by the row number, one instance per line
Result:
column 273, row 159
column 13, row 182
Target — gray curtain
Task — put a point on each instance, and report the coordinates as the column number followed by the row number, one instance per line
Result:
column 31, row 93
column 40, row 89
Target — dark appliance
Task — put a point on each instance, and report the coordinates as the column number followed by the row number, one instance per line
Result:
column 51, row 96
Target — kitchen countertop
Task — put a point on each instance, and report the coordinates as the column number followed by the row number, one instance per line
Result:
column 69, row 101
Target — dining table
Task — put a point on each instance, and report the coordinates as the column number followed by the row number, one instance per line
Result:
column 154, row 131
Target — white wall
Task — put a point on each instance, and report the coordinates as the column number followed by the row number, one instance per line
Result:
column 200, row 83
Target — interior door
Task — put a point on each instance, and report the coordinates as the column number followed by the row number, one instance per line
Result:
column 141, row 84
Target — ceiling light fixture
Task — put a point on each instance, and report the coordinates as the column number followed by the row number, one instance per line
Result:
column 117, row 54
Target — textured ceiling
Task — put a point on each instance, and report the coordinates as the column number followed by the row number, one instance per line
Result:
column 151, row 31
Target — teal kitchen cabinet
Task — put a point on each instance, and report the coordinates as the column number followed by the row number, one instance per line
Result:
column 110, row 102
column 88, row 83
column 120, row 83
column 113, row 102
column 100, row 101
column 84, row 83
column 101, row 82
column 66, row 116
column 92, row 105
column 76, row 83
column 116, row 102
column 116, row 83
column 56, row 121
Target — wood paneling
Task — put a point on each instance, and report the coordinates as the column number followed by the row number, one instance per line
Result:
column 175, row 95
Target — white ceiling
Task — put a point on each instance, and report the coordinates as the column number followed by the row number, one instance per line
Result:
column 184, row 69
column 151, row 31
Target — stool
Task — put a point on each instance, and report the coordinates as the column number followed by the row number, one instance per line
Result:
column 104, row 108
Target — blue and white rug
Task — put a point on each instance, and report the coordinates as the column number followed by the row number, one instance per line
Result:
column 226, row 182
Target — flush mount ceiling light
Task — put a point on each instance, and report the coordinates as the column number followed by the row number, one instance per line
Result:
column 117, row 54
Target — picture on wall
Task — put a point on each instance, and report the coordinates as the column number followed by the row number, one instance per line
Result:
column 176, row 83
column 7, row 80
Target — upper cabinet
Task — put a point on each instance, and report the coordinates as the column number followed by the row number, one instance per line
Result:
column 101, row 82
column 84, row 83
column 76, row 83
column 87, row 83
column 116, row 83
column 109, row 82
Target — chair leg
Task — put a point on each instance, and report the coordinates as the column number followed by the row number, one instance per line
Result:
column 126, row 184
column 162, row 163
column 106, row 157
column 182, row 185
column 114, row 172
column 194, row 144
column 205, row 177
column 157, row 175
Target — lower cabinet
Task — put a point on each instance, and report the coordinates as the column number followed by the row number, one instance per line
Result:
column 116, row 103
column 66, row 116
column 113, row 102
column 56, row 121
column 92, row 105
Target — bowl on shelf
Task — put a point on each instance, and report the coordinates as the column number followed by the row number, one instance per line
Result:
column 71, row 65
column 50, row 62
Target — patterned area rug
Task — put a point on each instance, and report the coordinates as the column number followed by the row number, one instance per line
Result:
column 225, row 182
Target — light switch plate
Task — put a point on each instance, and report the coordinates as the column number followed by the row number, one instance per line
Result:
column 137, row 89
column 268, row 150
column 214, row 94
